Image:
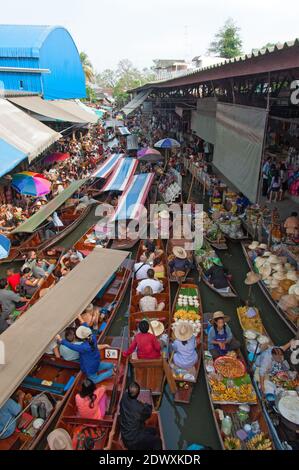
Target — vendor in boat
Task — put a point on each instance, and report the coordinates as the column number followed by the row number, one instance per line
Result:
column 184, row 346
column 141, row 268
column 291, row 226
column 91, row 401
column 146, row 344
column 133, row 415
column 220, row 337
column 149, row 303
column 9, row 413
column 242, row 203
column 89, row 354
column 28, row 283
column 155, row 284
column 9, row 301
column 217, row 277
column 180, row 264
column 268, row 364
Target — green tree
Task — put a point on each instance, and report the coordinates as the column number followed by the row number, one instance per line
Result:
column 87, row 67
column 107, row 78
column 227, row 42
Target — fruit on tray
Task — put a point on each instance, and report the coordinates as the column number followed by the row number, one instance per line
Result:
column 259, row 442
column 232, row 443
column 186, row 315
column 247, row 323
column 230, row 367
column 221, row 393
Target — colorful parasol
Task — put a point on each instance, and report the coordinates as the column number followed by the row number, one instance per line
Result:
column 31, row 184
column 167, row 144
column 57, row 157
column 4, row 247
column 149, row 155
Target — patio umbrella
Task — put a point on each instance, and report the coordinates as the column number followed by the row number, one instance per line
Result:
column 149, row 155
column 167, row 144
column 4, row 247
column 31, row 184
column 57, row 157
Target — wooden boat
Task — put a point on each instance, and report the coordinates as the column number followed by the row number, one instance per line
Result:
column 180, row 243
column 108, row 299
column 218, row 242
column 229, row 236
column 115, row 441
column 218, row 245
column 76, row 426
column 270, row 411
column 199, row 264
column 286, row 316
column 228, row 405
column 184, row 385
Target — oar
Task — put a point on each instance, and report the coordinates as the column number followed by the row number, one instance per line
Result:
column 114, row 390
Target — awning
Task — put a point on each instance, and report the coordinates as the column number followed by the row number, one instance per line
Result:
column 124, row 131
column 134, row 197
column 24, row 132
column 89, row 109
column 108, row 166
column 114, row 123
column 74, row 108
column 122, row 175
column 45, row 108
column 37, row 219
column 27, row 339
column 136, row 102
column 10, row 157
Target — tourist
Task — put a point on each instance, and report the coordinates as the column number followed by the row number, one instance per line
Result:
column 9, row 413
column 28, row 284
column 155, row 284
column 179, row 265
column 284, row 180
column 91, row 401
column 89, row 355
column 133, row 415
column 148, row 303
column 184, row 346
column 13, row 279
column 9, row 302
column 146, row 344
column 66, row 353
column 291, row 225
column 91, row 316
column 217, row 277
column 141, row 268
column 265, row 174
column 220, row 337
column 275, row 187
column 159, row 268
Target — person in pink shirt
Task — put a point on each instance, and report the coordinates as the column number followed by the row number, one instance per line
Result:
column 91, row 401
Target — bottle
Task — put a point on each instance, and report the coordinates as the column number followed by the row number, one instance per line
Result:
column 226, row 425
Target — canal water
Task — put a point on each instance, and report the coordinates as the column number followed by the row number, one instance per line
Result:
column 187, row 424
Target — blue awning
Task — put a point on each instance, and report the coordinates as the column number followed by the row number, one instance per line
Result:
column 10, row 157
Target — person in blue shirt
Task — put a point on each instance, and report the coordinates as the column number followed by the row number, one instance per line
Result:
column 220, row 337
column 242, row 203
column 8, row 413
column 89, row 355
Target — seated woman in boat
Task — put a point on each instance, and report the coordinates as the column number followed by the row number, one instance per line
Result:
column 66, row 353
column 180, row 263
column 8, row 413
column 149, row 246
column 91, row 316
column 184, row 346
column 217, row 277
column 220, row 337
column 144, row 343
column 89, row 354
column 28, row 283
column 148, row 303
column 159, row 268
column 155, row 284
column 141, row 268
column 91, row 401
column 270, row 363
column 70, row 260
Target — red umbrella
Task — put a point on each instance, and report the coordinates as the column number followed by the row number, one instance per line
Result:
column 57, row 157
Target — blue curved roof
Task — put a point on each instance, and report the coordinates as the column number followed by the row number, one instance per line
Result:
column 23, row 40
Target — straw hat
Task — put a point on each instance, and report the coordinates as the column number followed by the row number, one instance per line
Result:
column 267, row 254
column 265, row 271
column 279, row 276
column 278, row 268
column 179, row 252
column 218, row 315
column 292, row 275
column 83, row 332
column 274, row 283
column 273, row 259
column 59, row 439
column 252, row 278
column 164, row 214
column 289, row 267
column 253, row 245
column 294, row 289
column 288, row 301
column 263, row 246
column 260, row 261
column 157, row 327
column 183, row 331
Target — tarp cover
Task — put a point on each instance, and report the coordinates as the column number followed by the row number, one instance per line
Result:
column 37, row 219
column 45, row 108
column 74, row 108
column 108, row 166
column 136, row 102
column 122, row 175
column 239, row 145
column 10, row 157
column 24, row 132
column 203, row 120
column 27, row 339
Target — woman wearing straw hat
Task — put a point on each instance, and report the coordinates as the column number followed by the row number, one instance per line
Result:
column 184, row 346
column 180, row 263
column 146, row 344
column 220, row 337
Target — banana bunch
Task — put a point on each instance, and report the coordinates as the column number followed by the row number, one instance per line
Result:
column 243, row 394
column 260, row 442
column 232, row 443
column 186, row 315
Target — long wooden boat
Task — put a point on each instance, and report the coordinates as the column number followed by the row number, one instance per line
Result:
column 286, row 316
column 221, row 245
column 57, row 370
column 115, row 441
column 79, row 428
column 172, row 243
column 270, row 412
column 226, row 400
column 186, row 380
column 199, row 264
